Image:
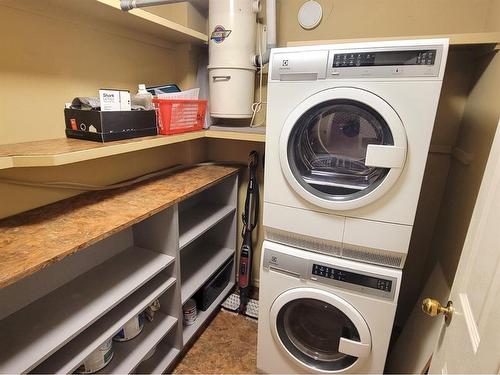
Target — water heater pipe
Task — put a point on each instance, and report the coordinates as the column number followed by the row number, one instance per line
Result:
column 131, row 4
column 261, row 60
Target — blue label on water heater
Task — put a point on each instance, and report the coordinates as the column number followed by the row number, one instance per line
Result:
column 220, row 34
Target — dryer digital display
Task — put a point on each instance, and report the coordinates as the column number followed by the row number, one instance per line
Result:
column 386, row 58
column 352, row 278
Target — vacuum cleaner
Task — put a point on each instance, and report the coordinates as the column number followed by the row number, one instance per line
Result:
column 250, row 216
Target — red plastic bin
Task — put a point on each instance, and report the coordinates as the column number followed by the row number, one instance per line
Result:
column 180, row 115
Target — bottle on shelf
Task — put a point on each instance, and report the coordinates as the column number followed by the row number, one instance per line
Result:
column 143, row 98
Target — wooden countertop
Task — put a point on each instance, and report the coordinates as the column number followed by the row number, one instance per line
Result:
column 35, row 239
column 62, row 151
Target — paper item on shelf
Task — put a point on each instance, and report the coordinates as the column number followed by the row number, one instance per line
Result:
column 192, row 94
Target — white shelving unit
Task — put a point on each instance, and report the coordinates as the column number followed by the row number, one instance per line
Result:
column 198, row 271
column 67, row 311
column 128, row 355
column 162, row 358
column 67, row 360
column 189, row 331
column 199, row 220
column 206, row 245
column 168, row 256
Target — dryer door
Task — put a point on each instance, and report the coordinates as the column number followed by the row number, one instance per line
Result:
column 342, row 148
column 319, row 330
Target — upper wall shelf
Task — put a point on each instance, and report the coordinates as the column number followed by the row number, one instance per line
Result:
column 106, row 15
column 147, row 22
column 455, row 39
column 62, row 151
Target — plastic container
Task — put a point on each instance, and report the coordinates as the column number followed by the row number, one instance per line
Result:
column 180, row 115
column 98, row 359
column 131, row 329
column 190, row 312
column 143, row 98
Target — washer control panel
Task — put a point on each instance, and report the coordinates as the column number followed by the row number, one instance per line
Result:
column 355, row 280
column 386, row 58
column 330, row 273
column 352, row 277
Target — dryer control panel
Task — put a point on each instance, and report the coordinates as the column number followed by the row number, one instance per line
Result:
column 345, row 61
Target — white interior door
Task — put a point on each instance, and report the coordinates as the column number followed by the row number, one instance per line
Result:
column 471, row 342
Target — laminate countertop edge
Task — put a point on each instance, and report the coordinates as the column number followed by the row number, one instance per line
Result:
column 25, row 238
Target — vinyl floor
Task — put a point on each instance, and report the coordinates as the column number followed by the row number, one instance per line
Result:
column 227, row 346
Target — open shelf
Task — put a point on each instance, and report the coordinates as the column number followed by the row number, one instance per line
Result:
column 61, row 151
column 455, row 39
column 198, row 269
column 69, row 357
column 160, row 361
column 107, row 16
column 202, row 316
column 149, row 23
column 129, row 354
column 237, row 133
column 163, row 357
column 198, row 219
column 70, row 309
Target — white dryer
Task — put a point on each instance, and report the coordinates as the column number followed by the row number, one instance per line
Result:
column 348, row 132
column 321, row 314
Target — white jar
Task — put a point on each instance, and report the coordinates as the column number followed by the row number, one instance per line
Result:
column 98, row 359
column 190, row 312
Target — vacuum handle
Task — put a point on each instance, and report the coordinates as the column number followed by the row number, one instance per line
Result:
column 221, row 78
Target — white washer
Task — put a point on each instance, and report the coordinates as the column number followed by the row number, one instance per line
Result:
column 348, row 132
column 320, row 314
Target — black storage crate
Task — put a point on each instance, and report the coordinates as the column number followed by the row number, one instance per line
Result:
column 109, row 126
column 214, row 286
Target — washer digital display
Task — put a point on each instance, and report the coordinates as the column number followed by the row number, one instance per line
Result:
column 352, row 278
column 386, row 58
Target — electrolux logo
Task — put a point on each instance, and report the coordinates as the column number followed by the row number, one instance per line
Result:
column 219, row 34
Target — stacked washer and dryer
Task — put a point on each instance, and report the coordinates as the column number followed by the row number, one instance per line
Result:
column 348, row 133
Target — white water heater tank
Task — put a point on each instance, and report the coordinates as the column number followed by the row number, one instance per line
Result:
column 233, row 28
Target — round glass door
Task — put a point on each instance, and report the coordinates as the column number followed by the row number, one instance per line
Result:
column 319, row 330
column 327, row 149
column 311, row 330
column 341, row 147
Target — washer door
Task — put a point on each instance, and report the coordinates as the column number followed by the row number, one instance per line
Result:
column 319, row 330
column 342, row 148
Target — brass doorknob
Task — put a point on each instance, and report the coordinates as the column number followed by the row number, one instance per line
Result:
column 433, row 308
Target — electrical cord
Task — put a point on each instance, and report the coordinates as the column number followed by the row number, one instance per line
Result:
column 257, row 106
column 87, row 187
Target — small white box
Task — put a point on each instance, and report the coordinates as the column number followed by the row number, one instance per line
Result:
column 125, row 101
column 110, row 100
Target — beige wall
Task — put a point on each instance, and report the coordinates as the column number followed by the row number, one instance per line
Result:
column 365, row 18
column 477, row 128
column 454, row 93
column 182, row 13
column 50, row 56
column 103, row 171
column 226, row 150
column 46, row 62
